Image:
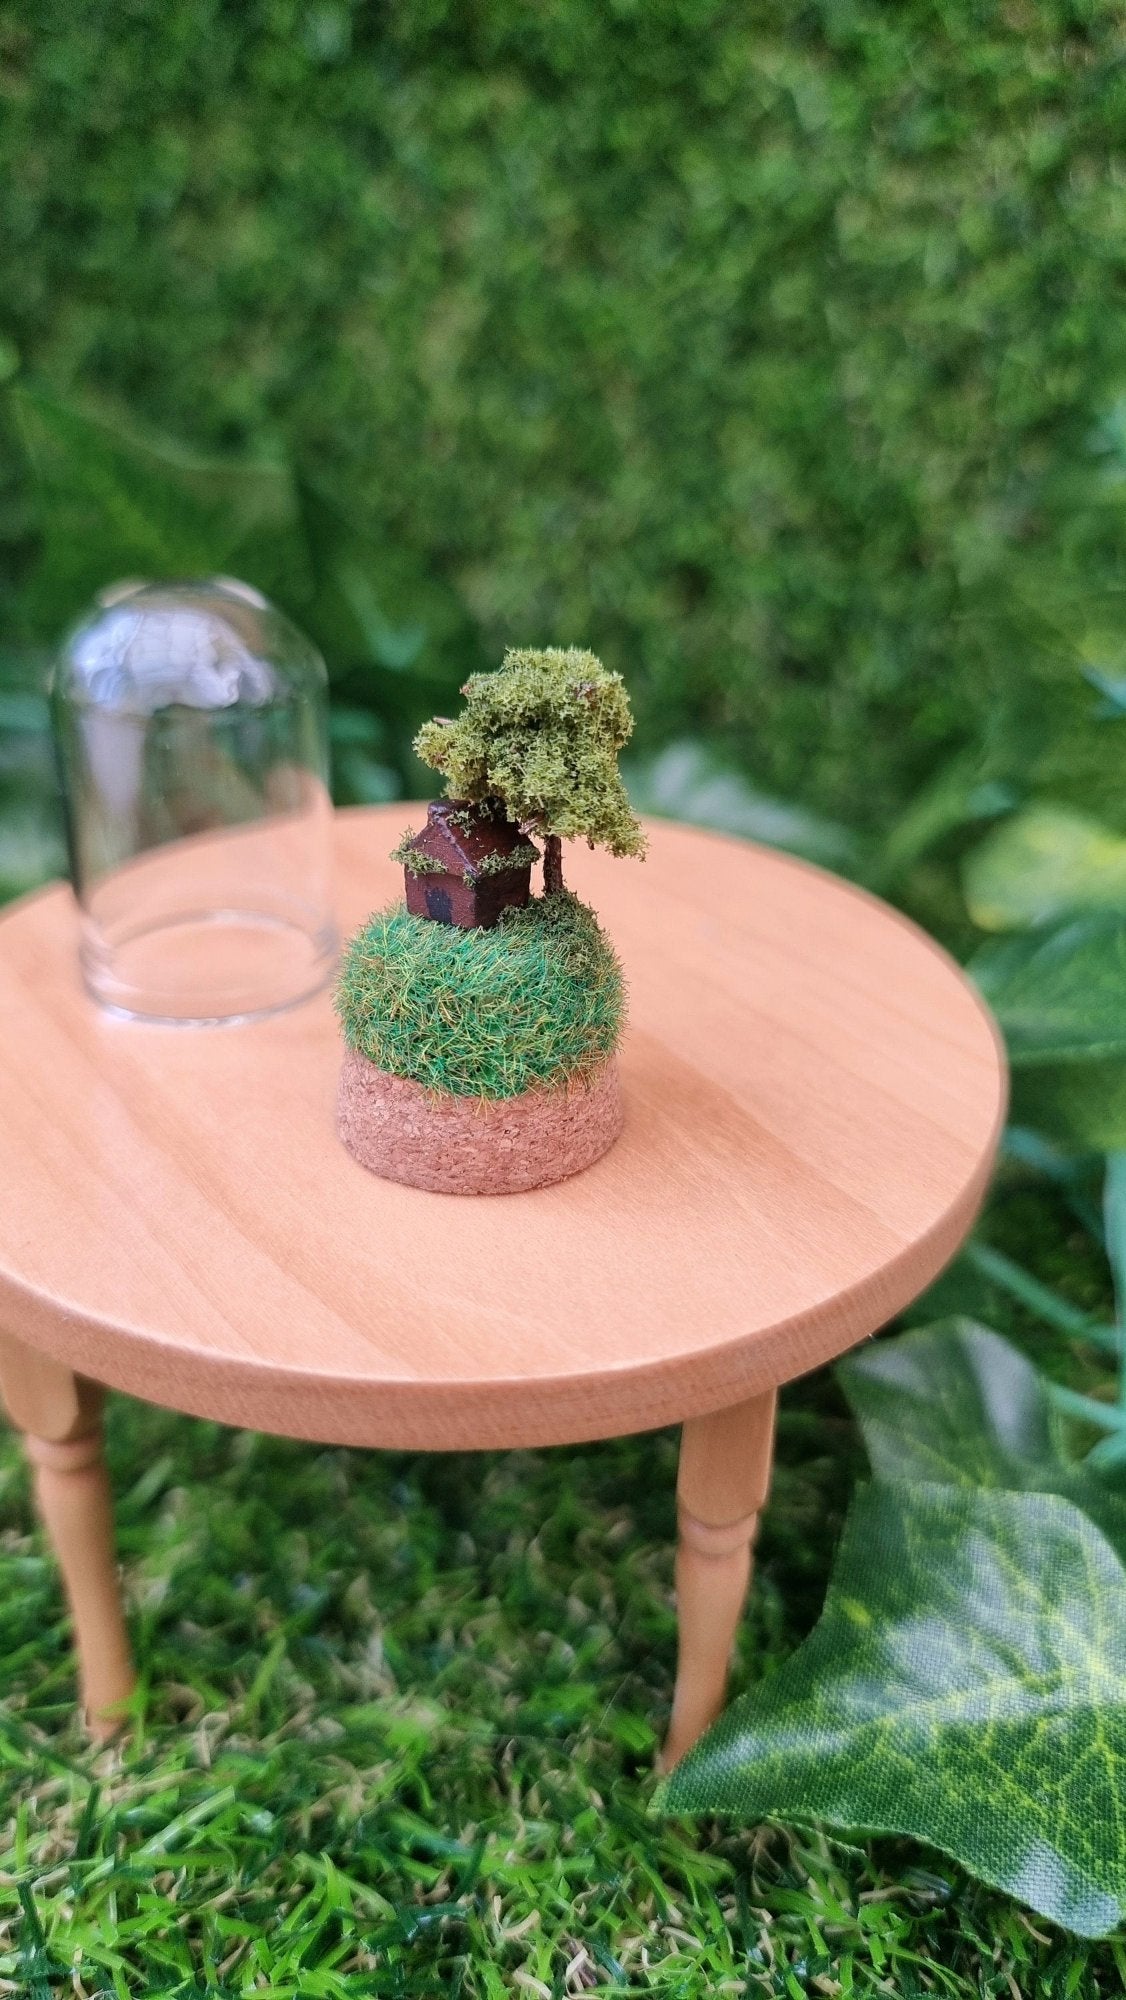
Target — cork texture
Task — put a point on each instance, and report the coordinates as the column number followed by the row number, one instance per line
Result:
column 471, row 1145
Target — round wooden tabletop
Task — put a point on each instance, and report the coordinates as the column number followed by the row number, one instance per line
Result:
column 814, row 1096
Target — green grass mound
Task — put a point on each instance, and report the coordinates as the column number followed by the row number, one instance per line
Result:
column 538, row 1000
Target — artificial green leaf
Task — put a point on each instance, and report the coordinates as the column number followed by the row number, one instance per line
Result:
column 1023, row 1146
column 953, row 1403
column 1111, row 1451
column 1114, row 1223
column 1041, row 864
column 116, row 505
column 965, row 1684
column 1059, row 995
column 1112, row 687
column 390, row 621
column 957, row 1404
column 956, row 796
column 393, row 646
column 1082, row 1103
column 688, row 781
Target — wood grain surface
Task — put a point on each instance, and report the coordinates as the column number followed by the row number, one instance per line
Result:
column 813, row 1097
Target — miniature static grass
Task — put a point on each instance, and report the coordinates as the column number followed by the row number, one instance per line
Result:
column 537, row 1001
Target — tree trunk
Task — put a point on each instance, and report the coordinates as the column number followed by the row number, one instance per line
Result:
column 552, row 864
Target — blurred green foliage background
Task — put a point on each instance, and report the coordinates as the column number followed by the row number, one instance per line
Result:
column 777, row 355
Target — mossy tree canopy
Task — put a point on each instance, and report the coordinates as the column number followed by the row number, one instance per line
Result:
column 543, row 734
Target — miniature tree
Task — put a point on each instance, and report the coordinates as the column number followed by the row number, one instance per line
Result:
column 542, row 736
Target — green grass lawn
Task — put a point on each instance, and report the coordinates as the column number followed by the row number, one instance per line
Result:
column 399, row 1722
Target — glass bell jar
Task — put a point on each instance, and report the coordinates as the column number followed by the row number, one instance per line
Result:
column 191, row 726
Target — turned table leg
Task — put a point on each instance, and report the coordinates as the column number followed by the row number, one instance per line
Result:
column 60, row 1414
column 724, row 1477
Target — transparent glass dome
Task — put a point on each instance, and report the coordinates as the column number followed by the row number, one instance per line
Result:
column 191, row 726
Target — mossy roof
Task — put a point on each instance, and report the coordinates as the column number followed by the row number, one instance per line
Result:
column 469, row 842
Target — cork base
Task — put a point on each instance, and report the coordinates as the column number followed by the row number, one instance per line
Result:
column 469, row 1145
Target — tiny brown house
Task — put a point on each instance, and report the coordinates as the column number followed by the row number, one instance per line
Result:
column 466, row 866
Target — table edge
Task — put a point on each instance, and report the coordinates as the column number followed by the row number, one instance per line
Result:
column 401, row 1413
column 514, row 1412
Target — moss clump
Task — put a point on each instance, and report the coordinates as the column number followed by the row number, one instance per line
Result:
column 484, row 1013
column 419, row 864
column 541, row 735
column 524, row 856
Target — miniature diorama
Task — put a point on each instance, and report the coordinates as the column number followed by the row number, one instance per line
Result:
column 481, row 1021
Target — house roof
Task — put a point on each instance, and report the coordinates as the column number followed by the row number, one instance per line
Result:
column 463, row 836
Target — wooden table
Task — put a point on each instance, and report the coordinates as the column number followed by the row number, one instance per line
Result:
column 814, row 1096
